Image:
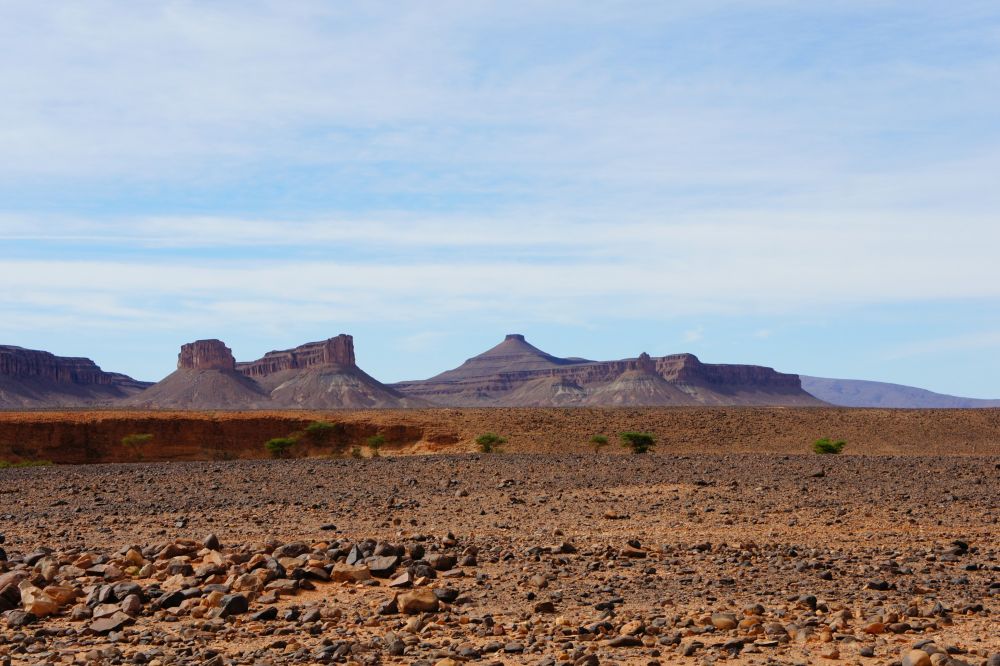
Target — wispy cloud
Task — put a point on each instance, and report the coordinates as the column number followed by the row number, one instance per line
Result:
column 947, row 345
column 188, row 166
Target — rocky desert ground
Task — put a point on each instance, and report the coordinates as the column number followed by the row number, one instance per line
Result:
column 512, row 558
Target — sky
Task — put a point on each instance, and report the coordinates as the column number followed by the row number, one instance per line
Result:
column 813, row 187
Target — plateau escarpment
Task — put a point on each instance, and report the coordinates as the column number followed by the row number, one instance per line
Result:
column 32, row 379
column 317, row 375
column 322, row 375
column 517, row 374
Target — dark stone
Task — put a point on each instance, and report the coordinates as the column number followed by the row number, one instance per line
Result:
column 265, row 615
column 383, row 566
column 233, row 604
column 170, row 599
column 18, row 618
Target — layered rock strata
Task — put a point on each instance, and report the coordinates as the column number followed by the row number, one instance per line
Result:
column 515, row 373
column 33, row 379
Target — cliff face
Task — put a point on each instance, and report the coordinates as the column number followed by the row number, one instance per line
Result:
column 335, row 351
column 206, row 355
column 317, row 375
column 514, row 373
column 22, row 363
column 31, row 379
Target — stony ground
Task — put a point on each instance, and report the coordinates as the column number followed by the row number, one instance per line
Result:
column 505, row 559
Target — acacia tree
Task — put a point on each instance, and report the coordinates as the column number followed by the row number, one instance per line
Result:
column 490, row 442
column 639, row 442
column 598, row 442
column 375, row 443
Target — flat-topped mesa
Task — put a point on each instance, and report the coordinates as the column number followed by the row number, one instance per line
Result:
column 27, row 363
column 206, row 355
column 688, row 369
column 337, row 351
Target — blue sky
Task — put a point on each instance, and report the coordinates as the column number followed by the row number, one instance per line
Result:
column 810, row 186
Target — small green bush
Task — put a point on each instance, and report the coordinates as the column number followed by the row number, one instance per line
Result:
column 375, row 443
column 490, row 442
column 320, row 431
column 136, row 442
column 356, row 452
column 826, row 446
column 598, row 442
column 137, row 439
column 279, row 447
column 639, row 442
column 6, row 464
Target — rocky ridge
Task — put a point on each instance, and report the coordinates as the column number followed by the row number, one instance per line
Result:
column 338, row 350
column 517, row 374
column 31, row 378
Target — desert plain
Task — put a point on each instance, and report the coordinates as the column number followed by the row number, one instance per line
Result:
column 730, row 543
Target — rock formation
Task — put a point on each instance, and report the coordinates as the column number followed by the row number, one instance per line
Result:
column 515, row 373
column 317, row 375
column 335, row 351
column 322, row 375
column 206, row 355
column 37, row 379
column 206, row 378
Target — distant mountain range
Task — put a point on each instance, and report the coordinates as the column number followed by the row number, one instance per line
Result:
column 324, row 375
column 517, row 374
column 861, row 393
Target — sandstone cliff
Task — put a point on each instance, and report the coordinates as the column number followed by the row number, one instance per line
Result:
column 322, row 375
column 33, row 379
column 335, row 351
column 316, row 375
column 206, row 355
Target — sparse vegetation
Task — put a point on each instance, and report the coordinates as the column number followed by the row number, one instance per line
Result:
column 598, row 442
column 321, row 431
column 137, row 439
column 5, row 464
column 490, row 442
column 356, row 452
column 374, row 443
column 280, row 447
column 639, row 442
column 827, row 446
column 136, row 442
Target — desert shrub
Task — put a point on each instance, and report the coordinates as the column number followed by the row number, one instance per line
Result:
column 598, row 442
column 639, row 442
column 320, row 431
column 374, row 443
column 356, row 452
column 135, row 442
column 6, row 464
column 279, row 447
column 490, row 442
column 137, row 439
column 826, row 446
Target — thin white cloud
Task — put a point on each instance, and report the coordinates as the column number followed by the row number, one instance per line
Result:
column 694, row 335
column 947, row 345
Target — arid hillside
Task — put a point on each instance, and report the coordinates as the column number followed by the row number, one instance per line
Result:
column 102, row 436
